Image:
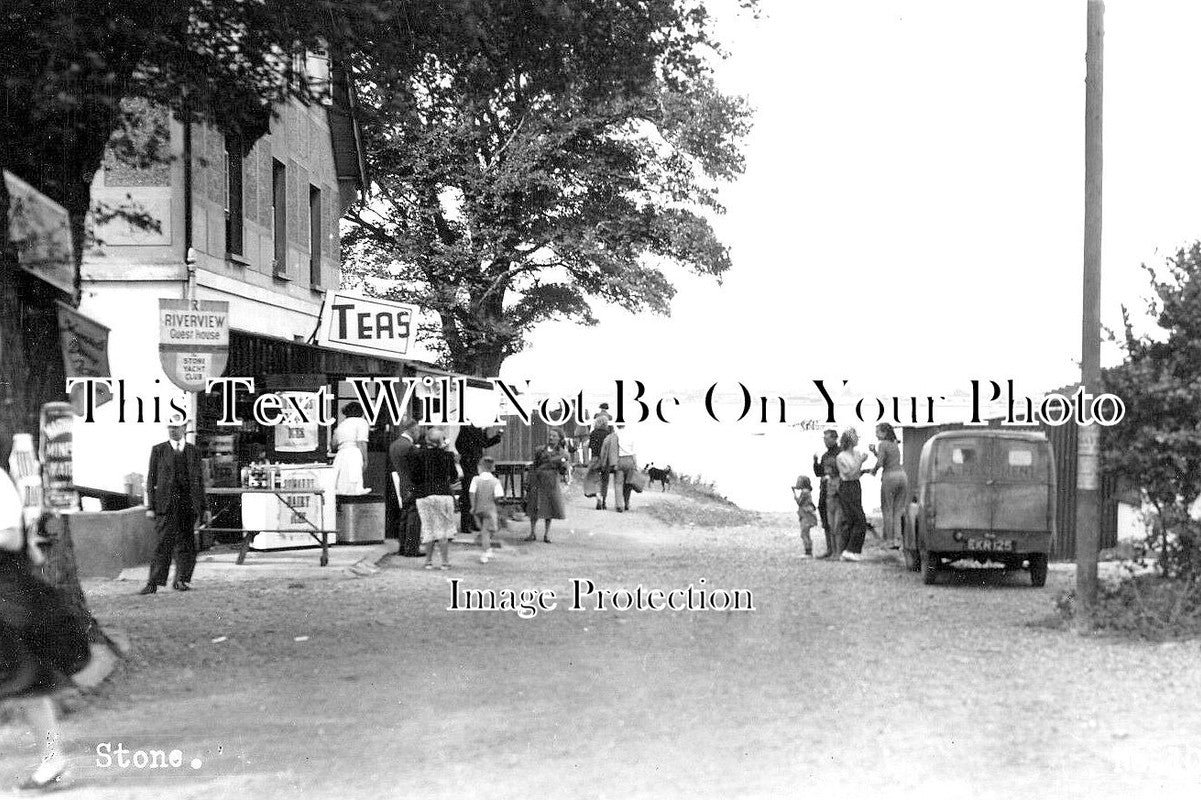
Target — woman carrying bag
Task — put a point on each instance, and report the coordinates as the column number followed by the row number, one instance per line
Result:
column 41, row 644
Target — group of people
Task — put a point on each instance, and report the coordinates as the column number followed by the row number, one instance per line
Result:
column 613, row 462
column 840, row 498
column 427, row 474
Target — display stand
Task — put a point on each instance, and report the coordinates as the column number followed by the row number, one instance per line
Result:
column 319, row 534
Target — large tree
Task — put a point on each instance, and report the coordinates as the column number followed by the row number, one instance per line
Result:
column 551, row 154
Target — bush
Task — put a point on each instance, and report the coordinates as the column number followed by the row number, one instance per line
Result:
column 1141, row 604
column 700, row 489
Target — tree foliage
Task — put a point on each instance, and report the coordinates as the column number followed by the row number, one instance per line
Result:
column 1157, row 447
column 548, row 154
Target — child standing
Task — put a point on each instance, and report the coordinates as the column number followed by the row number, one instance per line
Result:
column 485, row 490
column 802, row 493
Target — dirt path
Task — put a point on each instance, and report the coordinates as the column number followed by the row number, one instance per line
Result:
column 847, row 680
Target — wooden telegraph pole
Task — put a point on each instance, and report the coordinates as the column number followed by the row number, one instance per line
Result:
column 1088, row 496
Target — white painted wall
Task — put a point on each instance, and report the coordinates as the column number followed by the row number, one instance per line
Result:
column 107, row 450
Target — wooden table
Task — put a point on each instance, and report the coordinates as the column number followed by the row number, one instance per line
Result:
column 513, row 476
column 319, row 535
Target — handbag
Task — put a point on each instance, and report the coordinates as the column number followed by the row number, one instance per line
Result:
column 58, row 637
column 41, row 620
column 18, row 671
column 638, row 480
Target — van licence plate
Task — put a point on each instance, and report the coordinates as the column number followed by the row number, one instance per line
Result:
column 990, row 545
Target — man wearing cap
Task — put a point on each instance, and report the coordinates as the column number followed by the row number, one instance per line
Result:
column 175, row 498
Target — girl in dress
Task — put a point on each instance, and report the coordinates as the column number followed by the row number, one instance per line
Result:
column 806, row 511
column 350, row 444
column 545, row 498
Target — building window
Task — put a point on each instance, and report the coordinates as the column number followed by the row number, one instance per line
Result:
column 279, row 208
column 233, row 192
column 315, row 236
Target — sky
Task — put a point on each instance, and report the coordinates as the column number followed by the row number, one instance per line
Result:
column 911, row 216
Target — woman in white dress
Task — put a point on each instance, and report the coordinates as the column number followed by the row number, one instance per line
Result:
column 350, row 445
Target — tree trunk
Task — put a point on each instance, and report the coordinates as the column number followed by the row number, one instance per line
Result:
column 480, row 362
column 31, row 374
column 488, row 362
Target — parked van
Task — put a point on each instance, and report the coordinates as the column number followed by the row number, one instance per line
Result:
column 986, row 495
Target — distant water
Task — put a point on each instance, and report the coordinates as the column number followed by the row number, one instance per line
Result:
column 754, row 464
column 754, row 471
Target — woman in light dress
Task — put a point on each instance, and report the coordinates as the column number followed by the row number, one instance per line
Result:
column 350, row 445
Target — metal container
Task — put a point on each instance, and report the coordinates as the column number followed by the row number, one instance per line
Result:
column 360, row 518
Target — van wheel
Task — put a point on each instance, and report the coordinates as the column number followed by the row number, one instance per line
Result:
column 911, row 555
column 930, row 564
column 1038, row 569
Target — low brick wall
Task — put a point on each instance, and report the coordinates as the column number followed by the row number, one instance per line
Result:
column 107, row 542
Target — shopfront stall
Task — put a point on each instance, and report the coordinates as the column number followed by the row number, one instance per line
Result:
column 272, row 487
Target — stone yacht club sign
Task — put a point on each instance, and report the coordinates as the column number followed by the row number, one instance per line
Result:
column 193, row 341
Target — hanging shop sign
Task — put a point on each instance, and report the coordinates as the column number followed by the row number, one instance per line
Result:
column 294, row 435
column 40, row 229
column 85, row 354
column 58, row 464
column 367, row 325
column 193, row 341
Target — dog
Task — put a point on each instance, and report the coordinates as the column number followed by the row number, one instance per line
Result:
column 663, row 476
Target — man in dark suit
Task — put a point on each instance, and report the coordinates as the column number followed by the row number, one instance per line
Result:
column 175, row 498
column 471, row 444
column 830, row 457
column 409, row 523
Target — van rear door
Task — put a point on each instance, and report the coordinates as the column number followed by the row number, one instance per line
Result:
column 1021, row 482
column 958, row 483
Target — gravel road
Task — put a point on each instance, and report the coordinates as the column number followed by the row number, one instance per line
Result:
column 847, row 680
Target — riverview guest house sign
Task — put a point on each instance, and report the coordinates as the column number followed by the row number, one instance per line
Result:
column 366, row 325
column 193, row 341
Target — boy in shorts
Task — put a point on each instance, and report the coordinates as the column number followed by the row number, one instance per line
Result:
column 485, row 490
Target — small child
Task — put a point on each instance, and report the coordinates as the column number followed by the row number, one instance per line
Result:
column 485, row 490
column 802, row 493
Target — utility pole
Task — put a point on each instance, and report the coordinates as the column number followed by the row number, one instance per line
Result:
column 1088, row 495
